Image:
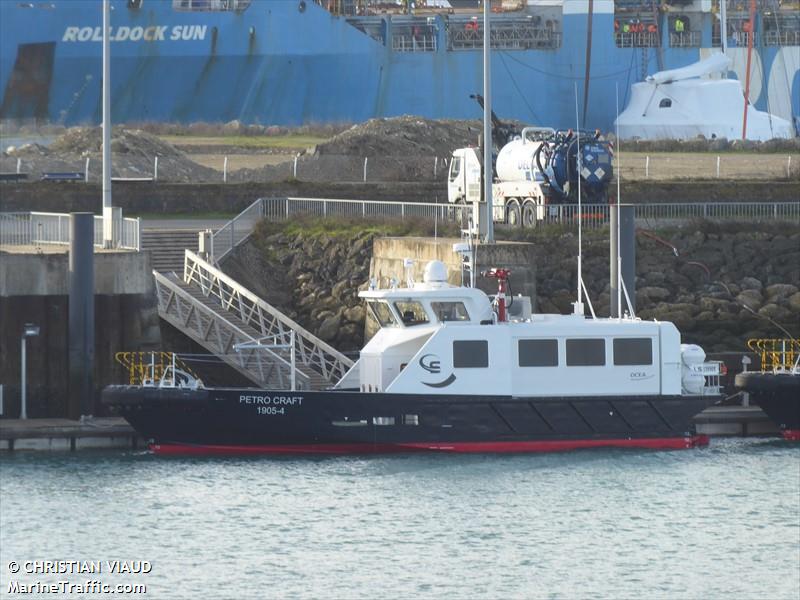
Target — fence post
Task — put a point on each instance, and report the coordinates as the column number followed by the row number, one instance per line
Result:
column 647, row 168
column 403, row 211
column 19, row 168
column 363, row 209
column 287, row 208
column 788, row 167
column 294, row 168
column 366, row 158
column 225, row 170
column 718, row 161
column 155, row 168
column 435, row 165
column 85, row 170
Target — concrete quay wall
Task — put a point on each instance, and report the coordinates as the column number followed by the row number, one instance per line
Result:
column 33, row 289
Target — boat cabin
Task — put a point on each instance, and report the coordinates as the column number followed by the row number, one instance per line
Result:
column 437, row 338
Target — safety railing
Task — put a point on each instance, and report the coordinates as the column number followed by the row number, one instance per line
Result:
column 149, row 367
column 591, row 215
column 235, row 231
column 638, row 39
column 505, row 35
column 39, row 228
column 684, row 39
column 219, row 335
column 775, row 354
column 281, row 209
column 781, row 38
column 313, row 355
column 408, row 41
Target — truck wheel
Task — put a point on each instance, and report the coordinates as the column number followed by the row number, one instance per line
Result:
column 513, row 213
column 529, row 214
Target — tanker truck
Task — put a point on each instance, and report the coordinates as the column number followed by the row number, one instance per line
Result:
column 538, row 169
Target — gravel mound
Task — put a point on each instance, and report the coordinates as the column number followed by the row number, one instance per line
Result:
column 133, row 154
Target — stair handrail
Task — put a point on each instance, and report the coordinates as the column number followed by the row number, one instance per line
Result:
column 312, row 352
column 277, row 358
column 225, row 236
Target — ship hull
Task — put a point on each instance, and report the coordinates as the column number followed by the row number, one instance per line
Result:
column 246, row 421
column 778, row 395
column 275, row 64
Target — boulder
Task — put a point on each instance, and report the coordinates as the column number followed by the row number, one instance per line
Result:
column 329, row 328
column 779, row 291
column 750, row 297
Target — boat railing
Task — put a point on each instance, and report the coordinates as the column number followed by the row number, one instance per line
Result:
column 781, row 38
column 211, row 5
column 516, row 34
column 410, row 40
column 46, row 228
column 311, row 352
column 776, row 354
column 638, row 39
column 684, row 39
column 146, row 368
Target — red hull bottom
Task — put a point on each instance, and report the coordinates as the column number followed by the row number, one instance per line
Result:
column 793, row 435
column 676, row 443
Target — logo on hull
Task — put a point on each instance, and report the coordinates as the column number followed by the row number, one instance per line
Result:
column 432, row 364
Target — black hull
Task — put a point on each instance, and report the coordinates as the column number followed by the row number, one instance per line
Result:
column 778, row 395
column 259, row 421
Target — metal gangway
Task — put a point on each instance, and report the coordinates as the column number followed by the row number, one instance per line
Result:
column 244, row 331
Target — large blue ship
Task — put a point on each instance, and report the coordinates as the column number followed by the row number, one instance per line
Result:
column 290, row 62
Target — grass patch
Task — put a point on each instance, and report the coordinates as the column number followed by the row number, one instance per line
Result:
column 355, row 227
column 247, row 141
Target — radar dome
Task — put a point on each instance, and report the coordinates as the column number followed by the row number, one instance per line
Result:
column 435, row 272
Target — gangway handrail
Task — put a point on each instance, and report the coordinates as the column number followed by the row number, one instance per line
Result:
column 275, row 358
column 313, row 352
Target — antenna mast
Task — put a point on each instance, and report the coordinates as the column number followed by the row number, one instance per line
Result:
column 579, row 302
column 617, row 209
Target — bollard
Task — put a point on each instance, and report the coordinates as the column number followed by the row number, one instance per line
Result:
column 365, row 168
column 155, row 169
column 647, row 168
column 225, row 170
column 718, row 160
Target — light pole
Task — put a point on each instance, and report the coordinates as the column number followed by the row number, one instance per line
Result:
column 29, row 330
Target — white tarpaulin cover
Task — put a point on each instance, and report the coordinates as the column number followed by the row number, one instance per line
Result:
column 678, row 104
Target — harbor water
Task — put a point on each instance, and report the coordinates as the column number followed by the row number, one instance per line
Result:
column 717, row 522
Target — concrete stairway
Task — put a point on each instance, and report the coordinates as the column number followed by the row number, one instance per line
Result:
column 167, row 247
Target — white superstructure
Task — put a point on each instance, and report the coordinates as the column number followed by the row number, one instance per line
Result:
column 436, row 338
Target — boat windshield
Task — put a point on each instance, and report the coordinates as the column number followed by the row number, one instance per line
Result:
column 412, row 312
column 450, row 311
column 382, row 313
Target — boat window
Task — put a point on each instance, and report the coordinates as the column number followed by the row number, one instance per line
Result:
column 455, row 168
column 450, row 311
column 471, row 354
column 410, row 419
column 383, row 420
column 633, row 351
column 210, row 5
column 538, row 353
column 586, row 353
column 382, row 313
column 411, row 312
column 665, row 103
